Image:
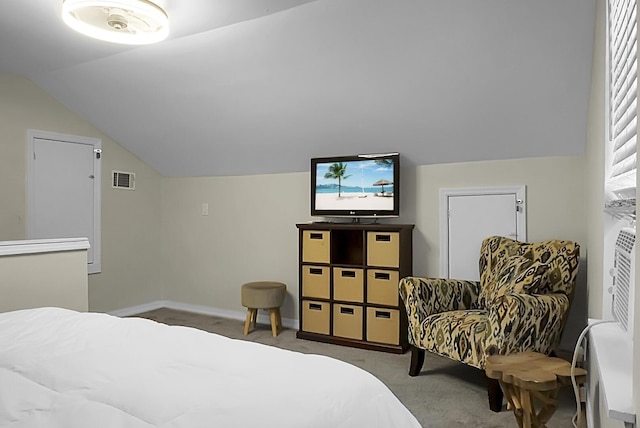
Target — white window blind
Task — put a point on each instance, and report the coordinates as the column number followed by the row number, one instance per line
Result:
column 623, row 78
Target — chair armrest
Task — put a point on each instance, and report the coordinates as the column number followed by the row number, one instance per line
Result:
column 526, row 322
column 427, row 296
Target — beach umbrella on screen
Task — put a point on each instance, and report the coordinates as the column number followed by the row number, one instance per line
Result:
column 382, row 183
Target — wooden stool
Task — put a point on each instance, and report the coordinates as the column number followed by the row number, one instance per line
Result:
column 529, row 379
column 263, row 295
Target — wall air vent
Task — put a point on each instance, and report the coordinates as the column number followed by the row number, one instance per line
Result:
column 123, row 180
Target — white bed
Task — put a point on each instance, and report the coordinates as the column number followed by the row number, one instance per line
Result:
column 61, row 368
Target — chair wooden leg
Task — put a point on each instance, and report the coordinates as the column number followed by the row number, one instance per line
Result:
column 417, row 360
column 495, row 395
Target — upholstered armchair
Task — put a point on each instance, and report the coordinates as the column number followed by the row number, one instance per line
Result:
column 520, row 304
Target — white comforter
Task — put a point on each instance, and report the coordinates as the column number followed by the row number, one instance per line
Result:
column 60, row 368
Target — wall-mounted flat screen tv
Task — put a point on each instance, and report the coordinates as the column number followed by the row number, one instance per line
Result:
column 356, row 186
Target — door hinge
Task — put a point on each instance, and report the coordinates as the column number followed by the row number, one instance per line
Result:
column 519, row 203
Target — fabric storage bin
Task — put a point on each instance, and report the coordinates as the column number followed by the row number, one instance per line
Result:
column 316, row 281
column 383, row 325
column 316, row 246
column 348, row 284
column 347, row 321
column 383, row 249
column 382, row 287
column 315, row 317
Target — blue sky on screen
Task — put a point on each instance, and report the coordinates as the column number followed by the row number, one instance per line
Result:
column 365, row 171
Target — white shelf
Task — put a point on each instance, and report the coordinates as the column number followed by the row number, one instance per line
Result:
column 33, row 246
column 613, row 350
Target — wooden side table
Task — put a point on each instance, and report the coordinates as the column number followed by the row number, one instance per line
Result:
column 531, row 382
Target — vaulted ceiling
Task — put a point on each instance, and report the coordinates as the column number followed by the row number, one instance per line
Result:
column 261, row 86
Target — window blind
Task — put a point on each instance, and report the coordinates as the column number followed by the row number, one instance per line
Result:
column 623, row 78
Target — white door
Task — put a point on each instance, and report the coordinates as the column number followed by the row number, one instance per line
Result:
column 470, row 216
column 64, row 188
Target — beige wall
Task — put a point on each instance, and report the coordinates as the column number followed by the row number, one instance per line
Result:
column 555, row 199
column 130, row 220
column 595, row 164
column 44, row 279
column 249, row 235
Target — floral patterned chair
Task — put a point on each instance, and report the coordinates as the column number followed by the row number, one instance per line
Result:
column 520, row 304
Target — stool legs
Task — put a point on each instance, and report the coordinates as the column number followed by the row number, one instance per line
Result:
column 252, row 316
column 276, row 321
column 274, row 315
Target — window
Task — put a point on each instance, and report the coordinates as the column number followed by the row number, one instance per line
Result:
column 622, row 106
column 611, row 348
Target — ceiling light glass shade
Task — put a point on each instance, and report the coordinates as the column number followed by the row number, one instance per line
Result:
column 133, row 22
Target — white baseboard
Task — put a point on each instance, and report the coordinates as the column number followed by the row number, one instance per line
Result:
column 199, row 309
column 138, row 309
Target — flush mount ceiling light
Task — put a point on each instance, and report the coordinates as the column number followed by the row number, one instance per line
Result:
column 133, row 22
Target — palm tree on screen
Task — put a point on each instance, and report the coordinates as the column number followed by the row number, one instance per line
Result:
column 338, row 171
column 386, row 163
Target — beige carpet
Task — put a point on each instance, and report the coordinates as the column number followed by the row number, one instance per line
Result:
column 446, row 394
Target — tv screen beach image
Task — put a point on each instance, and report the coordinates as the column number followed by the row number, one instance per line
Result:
column 355, row 185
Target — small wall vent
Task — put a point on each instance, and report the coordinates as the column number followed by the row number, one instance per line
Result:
column 123, row 180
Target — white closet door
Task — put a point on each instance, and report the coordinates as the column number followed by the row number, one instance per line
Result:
column 64, row 192
column 473, row 215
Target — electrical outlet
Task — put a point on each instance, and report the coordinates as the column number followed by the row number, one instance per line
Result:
column 205, row 209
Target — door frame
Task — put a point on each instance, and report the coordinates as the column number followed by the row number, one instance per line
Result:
column 32, row 135
column 446, row 193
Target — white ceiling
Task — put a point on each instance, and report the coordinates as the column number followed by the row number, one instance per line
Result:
column 260, row 86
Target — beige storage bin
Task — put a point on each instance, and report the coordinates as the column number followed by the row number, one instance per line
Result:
column 315, row 246
column 315, row 281
column 382, row 287
column 347, row 321
column 383, row 249
column 315, row 317
column 383, row 325
column 348, row 284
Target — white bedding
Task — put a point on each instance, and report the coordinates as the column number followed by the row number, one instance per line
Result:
column 60, row 368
